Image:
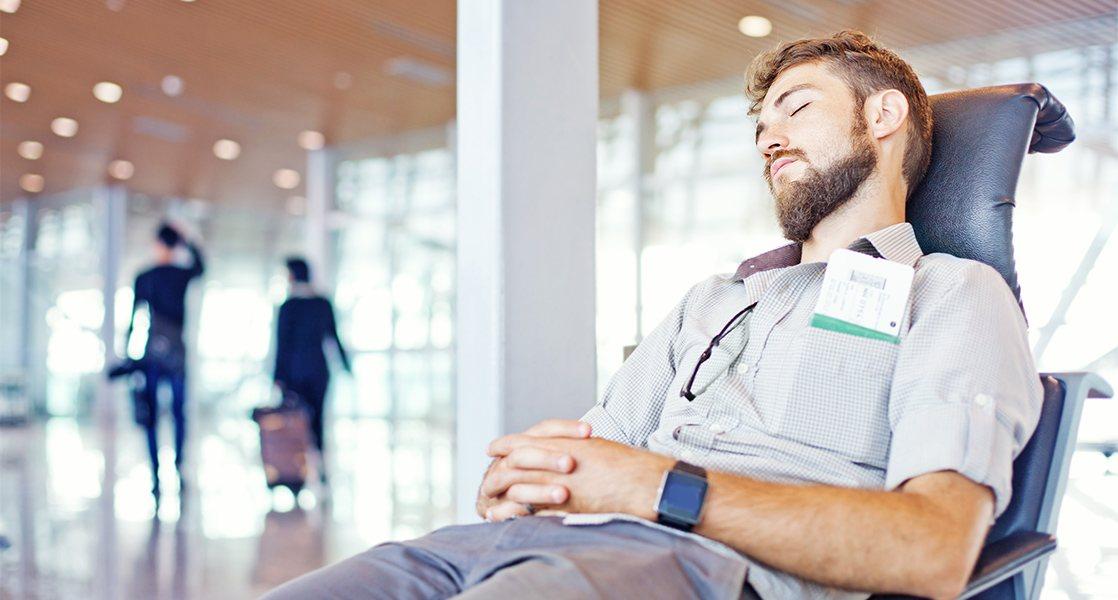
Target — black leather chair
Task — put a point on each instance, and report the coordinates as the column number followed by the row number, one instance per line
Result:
column 964, row 207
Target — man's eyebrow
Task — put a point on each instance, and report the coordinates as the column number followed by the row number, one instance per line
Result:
column 796, row 88
column 792, row 90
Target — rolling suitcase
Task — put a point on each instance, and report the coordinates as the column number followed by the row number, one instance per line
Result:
column 285, row 443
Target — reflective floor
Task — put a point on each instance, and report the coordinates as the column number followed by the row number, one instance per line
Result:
column 223, row 536
column 226, row 536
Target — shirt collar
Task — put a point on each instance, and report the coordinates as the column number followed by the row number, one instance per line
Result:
column 301, row 290
column 896, row 243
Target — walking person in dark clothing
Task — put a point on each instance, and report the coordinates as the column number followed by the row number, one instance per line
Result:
column 305, row 323
column 162, row 288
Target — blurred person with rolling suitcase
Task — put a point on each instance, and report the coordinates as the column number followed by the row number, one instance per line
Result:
column 304, row 325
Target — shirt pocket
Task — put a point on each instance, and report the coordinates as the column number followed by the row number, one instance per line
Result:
column 837, row 394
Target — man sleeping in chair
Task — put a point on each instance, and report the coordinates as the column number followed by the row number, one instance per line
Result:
column 837, row 418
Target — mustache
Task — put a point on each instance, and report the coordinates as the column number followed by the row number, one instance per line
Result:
column 779, row 154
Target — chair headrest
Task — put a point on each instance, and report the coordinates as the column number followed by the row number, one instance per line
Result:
column 964, row 205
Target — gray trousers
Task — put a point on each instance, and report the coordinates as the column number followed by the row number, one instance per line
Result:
column 530, row 557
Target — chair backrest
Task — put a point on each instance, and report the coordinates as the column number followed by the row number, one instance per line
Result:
column 964, row 205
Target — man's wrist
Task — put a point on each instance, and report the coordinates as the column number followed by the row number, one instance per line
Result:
column 647, row 493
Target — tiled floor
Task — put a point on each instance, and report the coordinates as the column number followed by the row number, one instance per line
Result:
column 226, row 537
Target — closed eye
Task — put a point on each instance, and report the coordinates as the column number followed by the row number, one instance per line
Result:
column 799, row 109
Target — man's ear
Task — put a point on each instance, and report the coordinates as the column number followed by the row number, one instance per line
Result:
column 886, row 112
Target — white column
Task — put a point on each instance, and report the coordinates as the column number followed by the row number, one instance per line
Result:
column 28, row 552
column 526, row 138
column 637, row 107
column 28, row 214
column 111, row 202
column 319, row 206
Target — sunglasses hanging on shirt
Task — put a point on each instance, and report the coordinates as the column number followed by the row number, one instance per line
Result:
column 686, row 391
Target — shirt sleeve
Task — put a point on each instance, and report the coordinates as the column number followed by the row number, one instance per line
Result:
column 199, row 266
column 332, row 332
column 966, row 396
column 138, row 296
column 629, row 411
column 283, row 318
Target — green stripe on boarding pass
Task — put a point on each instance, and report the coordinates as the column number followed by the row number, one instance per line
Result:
column 840, row 326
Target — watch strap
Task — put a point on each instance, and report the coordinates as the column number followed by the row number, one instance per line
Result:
column 687, row 467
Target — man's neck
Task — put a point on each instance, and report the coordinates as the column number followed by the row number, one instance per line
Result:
column 301, row 289
column 874, row 207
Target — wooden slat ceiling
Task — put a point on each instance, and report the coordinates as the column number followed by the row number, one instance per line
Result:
column 261, row 71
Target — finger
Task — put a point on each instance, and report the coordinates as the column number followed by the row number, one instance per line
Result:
column 497, row 482
column 559, row 428
column 506, row 510
column 531, row 493
column 503, row 445
column 533, row 457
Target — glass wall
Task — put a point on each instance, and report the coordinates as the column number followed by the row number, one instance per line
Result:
column 393, row 239
column 230, row 312
column 58, row 242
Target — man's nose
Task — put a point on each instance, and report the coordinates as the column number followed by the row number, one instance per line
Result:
column 770, row 141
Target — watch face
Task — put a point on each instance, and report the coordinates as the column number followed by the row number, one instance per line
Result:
column 682, row 497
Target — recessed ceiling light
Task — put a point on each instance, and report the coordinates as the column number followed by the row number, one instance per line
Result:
column 31, row 150
column 107, row 92
column 31, row 182
column 171, row 85
column 9, row 6
column 227, row 149
column 755, row 26
column 287, row 179
column 64, row 127
column 3, row 46
column 311, row 140
column 121, row 169
column 17, row 91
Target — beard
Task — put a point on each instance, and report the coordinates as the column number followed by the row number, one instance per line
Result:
column 802, row 204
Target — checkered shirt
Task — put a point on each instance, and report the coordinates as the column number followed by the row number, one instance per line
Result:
column 781, row 401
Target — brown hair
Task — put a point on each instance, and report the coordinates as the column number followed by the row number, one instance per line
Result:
column 867, row 68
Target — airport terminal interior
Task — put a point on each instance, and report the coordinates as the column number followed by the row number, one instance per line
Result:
column 270, row 128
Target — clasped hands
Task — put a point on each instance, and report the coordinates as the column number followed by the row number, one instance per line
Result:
column 556, row 466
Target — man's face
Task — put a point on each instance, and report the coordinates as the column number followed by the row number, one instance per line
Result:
column 816, row 145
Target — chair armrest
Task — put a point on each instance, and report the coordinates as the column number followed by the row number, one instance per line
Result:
column 999, row 561
column 1081, row 384
column 1007, row 557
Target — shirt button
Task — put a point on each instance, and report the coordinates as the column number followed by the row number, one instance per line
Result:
column 716, row 428
column 983, row 400
column 743, row 368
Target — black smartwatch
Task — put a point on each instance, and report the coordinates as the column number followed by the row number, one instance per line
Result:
column 682, row 492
